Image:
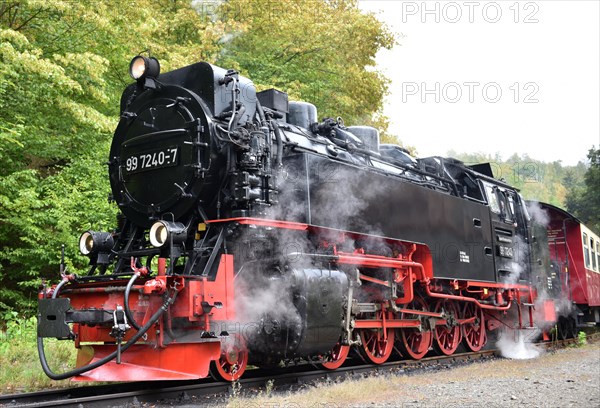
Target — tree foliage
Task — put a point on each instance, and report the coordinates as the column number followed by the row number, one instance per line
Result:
column 583, row 199
column 63, row 65
column 319, row 51
column 547, row 182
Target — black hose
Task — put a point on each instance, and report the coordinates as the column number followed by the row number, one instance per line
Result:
column 279, row 140
column 111, row 356
column 128, row 313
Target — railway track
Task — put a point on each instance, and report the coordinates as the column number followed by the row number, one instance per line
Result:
column 152, row 392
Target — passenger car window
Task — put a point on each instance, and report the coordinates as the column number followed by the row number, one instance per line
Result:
column 593, row 248
column 598, row 254
column 586, row 251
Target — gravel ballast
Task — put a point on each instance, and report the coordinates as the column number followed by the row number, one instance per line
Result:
column 564, row 378
column 568, row 377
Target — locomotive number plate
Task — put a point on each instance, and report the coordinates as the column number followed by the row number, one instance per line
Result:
column 152, row 160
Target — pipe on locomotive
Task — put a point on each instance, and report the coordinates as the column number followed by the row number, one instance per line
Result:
column 428, row 292
column 78, row 371
column 59, row 286
column 138, row 272
column 279, row 140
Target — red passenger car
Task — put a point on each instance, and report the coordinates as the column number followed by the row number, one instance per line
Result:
column 575, row 255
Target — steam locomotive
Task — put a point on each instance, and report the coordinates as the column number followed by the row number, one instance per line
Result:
column 249, row 232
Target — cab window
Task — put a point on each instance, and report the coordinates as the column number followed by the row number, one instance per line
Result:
column 492, row 198
column 511, row 204
column 505, row 210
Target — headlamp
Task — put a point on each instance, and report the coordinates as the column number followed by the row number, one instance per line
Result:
column 142, row 67
column 92, row 242
column 163, row 231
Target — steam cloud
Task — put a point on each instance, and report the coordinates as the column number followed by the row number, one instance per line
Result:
column 513, row 344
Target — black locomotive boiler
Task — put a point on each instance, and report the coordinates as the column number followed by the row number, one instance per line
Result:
column 250, row 232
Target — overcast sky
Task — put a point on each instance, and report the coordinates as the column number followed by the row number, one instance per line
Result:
column 484, row 76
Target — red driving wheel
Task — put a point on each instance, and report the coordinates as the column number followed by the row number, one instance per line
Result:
column 338, row 357
column 447, row 336
column 377, row 344
column 474, row 333
column 415, row 342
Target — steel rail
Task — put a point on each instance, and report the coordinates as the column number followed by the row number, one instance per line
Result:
column 152, row 391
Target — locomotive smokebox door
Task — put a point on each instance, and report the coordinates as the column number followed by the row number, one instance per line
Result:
column 165, row 139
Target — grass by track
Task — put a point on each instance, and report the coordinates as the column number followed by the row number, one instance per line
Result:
column 20, row 369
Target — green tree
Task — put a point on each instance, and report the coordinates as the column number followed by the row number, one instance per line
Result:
column 52, row 109
column 536, row 180
column 319, row 51
column 583, row 199
column 63, row 65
